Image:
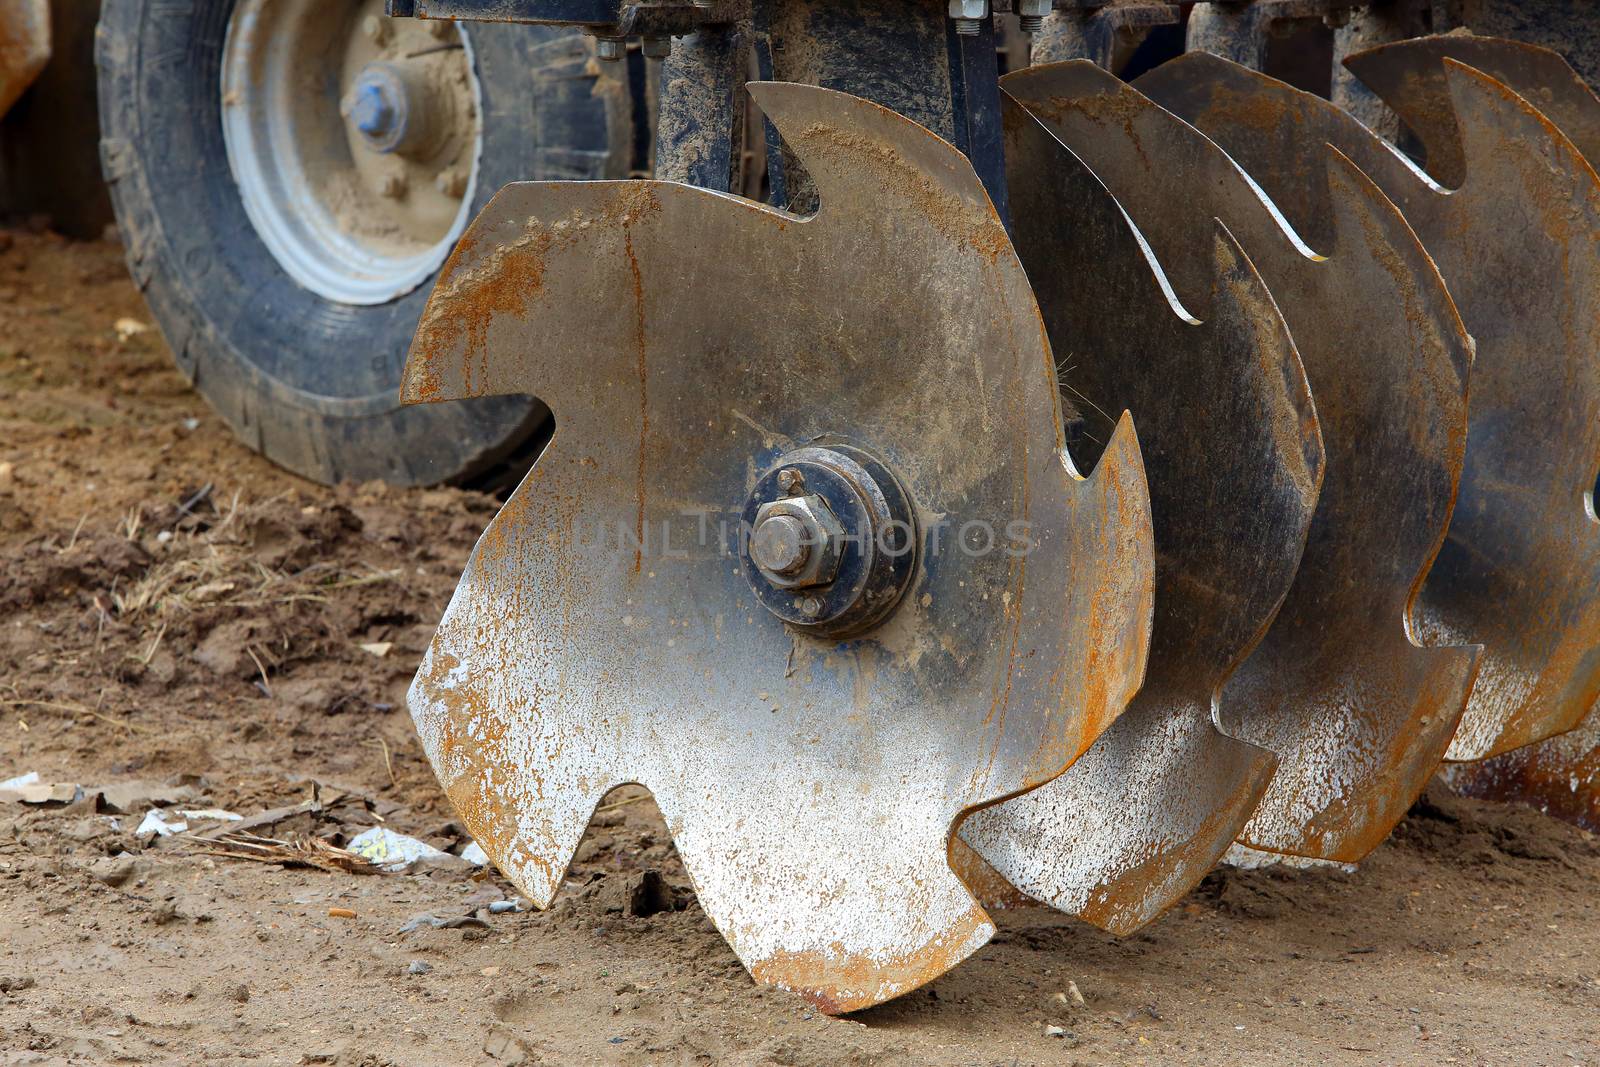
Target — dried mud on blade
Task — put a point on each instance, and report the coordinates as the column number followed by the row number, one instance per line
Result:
column 1233, row 471
column 686, row 342
column 1357, row 714
column 1519, row 572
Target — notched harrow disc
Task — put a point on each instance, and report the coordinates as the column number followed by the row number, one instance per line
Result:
column 1560, row 775
column 1410, row 77
column 1519, row 572
column 1234, row 459
column 1357, row 714
column 689, row 343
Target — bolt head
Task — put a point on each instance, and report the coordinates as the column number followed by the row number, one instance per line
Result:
column 969, row 9
column 657, row 47
column 610, row 49
column 451, row 182
column 820, row 534
column 781, row 545
column 811, row 607
column 791, row 480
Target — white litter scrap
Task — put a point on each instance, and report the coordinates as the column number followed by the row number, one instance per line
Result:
column 164, row 822
column 30, row 789
column 391, row 851
column 475, row 855
column 129, row 328
column 210, row 814
column 161, row 824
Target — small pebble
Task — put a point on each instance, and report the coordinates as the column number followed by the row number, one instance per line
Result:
column 418, row 967
column 500, row 907
column 1055, row 1031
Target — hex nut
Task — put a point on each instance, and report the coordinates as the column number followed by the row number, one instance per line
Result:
column 825, row 540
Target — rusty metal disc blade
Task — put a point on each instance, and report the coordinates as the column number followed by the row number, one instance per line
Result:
column 685, row 340
column 1519, row 572
column 1357, row 714
column 1560, row 775
column 1410, row 77
column 1233, row 471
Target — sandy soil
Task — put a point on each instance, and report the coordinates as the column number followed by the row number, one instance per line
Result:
column 177, row 612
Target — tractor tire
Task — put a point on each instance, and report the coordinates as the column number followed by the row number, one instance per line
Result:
column 310, row 378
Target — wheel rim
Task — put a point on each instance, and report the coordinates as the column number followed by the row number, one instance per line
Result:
column 358, row 193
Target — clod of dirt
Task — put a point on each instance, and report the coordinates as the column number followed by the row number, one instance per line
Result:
column 114, row 870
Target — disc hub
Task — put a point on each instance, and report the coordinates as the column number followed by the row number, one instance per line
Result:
column 390, row 108
column 832, row 539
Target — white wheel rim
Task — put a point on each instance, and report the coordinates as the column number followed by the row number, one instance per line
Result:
column 321, row 198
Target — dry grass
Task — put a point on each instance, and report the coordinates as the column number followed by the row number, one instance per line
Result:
column 291, row 852
column 214, row 567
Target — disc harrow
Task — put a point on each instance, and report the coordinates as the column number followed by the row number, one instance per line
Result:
column 845, row 545
column 810, row 783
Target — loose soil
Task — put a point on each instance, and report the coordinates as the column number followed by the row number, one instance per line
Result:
column 176, row 610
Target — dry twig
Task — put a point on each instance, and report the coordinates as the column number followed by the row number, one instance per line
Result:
column 293, row 852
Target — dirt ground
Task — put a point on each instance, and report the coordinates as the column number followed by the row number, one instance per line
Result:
column 176, row 614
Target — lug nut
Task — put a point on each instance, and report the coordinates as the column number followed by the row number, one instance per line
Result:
column 657, row 47
column 451, row 183
column 609, row 49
